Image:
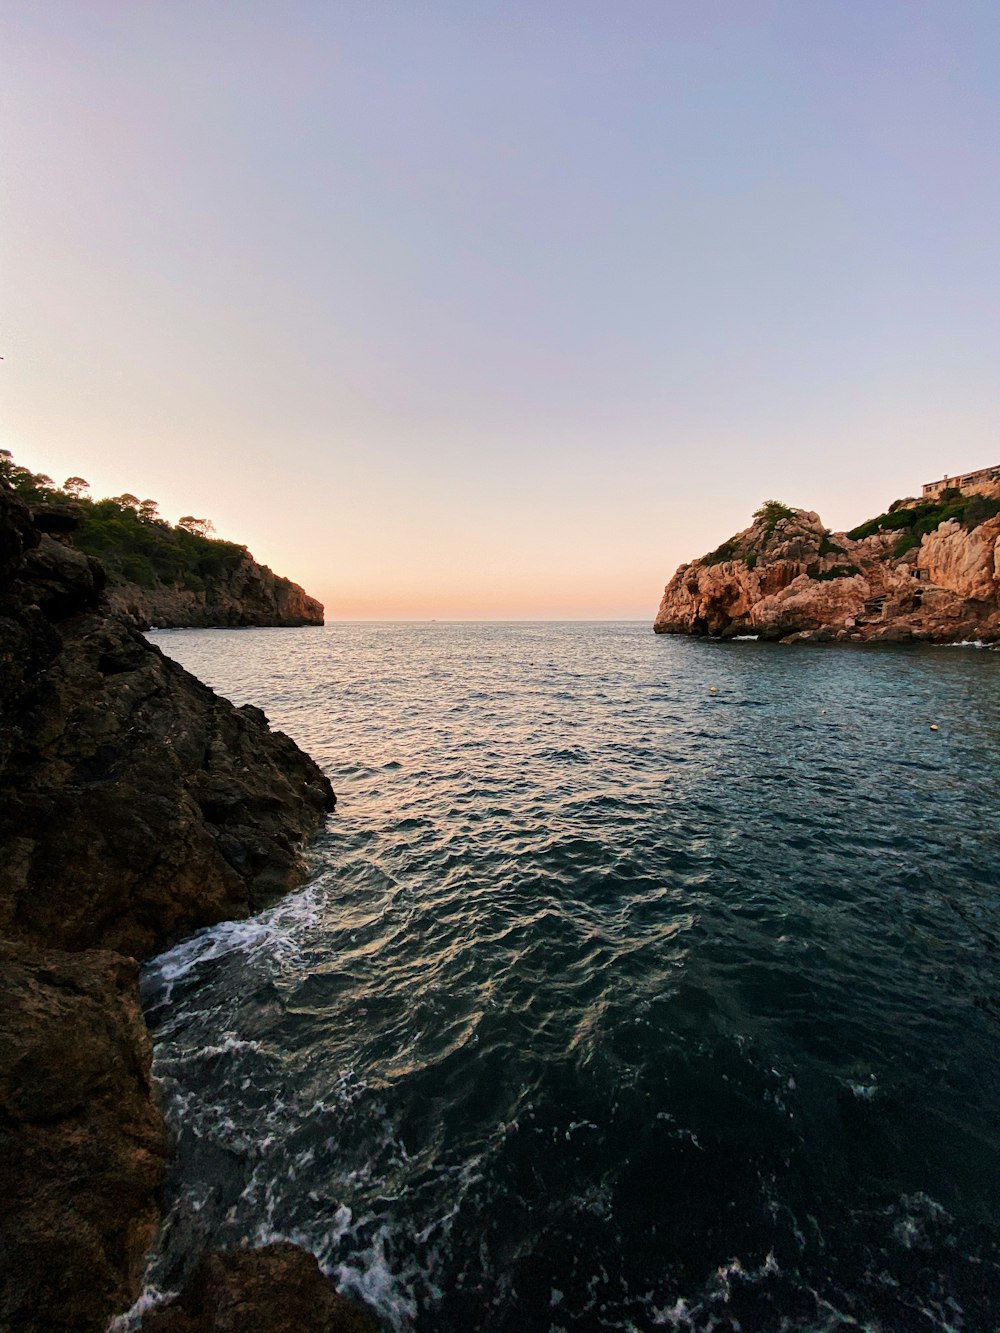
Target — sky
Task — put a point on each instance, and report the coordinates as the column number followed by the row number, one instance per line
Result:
column 471, row 309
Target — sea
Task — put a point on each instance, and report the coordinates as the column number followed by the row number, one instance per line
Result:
column 639, row 982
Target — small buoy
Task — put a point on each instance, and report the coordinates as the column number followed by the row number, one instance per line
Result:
column 934, row 726
column 713, row 689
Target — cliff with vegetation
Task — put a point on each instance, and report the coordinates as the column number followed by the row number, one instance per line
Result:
column 162, row 574
column 926, row 570
column 135, row 806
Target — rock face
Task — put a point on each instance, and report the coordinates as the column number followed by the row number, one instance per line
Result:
column 787, row 577
column 82, row 1147
column 249, row 594
column 135, row 805
column 276, row 1289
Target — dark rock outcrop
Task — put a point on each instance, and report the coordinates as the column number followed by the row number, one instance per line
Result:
column 787, row 577
column 135, row 805
column 82, row 1147
column 247, row 594
column 276, row 1289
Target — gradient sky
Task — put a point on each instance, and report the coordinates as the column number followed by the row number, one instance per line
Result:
column 483, row 309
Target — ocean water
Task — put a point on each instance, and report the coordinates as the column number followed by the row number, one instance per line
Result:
column 641, row 982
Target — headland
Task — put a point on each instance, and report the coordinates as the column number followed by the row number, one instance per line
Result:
column 926, row 570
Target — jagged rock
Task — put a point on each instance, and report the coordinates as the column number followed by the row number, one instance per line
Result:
column 788, row 578
column 135, row 803
column 276, row 1289
column 56, row 518
column 17, row 535
column 966, row 563
column 61, row 579
column 811, row 605
column 82, row 1148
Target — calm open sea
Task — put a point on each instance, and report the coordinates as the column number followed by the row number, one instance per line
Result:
column 613, row 1003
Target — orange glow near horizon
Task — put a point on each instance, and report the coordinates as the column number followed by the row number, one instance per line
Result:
column 434, row 350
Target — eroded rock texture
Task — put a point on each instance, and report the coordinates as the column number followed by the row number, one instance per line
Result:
column 791, row 578
column 276, row 1289
column 82, row 1146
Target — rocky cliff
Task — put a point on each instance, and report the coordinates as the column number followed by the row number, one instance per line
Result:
column 246, row 594
column 923, row 571
column 159, row 573
column 135, row 805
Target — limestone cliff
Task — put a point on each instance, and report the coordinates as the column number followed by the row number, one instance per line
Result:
column 245, row 594
column 787, row 577
column 135, row 805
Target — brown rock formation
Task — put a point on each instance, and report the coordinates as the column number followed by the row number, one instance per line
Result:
column 82, row 1147
column 249, row 594
column 966, row 563
column 135, row 805
column 788, row 577
column 276, row 1289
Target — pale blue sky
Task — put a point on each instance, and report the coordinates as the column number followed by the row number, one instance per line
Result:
column 478, row 309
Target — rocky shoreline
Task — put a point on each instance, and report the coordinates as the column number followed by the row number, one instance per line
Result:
column 789, row 578
column 135, row 806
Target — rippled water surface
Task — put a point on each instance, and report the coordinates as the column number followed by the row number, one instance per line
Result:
column 614, row 1003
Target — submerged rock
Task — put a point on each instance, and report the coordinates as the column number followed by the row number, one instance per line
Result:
column 276, row 1289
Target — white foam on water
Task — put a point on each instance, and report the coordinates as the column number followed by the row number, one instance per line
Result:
column 744, row 638
column 151, row 1297
column 275, row 931
column 865, row 1092
column 370, row 1277
column 229, row 1044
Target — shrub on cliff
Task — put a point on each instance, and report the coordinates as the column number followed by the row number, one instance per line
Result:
column 829, row 547
column 771, row 511
column 727, row 551
column 978, row 510
column 836, row 572
column 913, row 521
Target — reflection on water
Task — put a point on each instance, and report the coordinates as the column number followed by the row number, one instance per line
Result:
column 613, row 1003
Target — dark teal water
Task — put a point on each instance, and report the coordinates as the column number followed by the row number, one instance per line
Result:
column 614, row 1003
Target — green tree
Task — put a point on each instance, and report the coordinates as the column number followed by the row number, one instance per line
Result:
column 772, row 512
column 198, row 527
